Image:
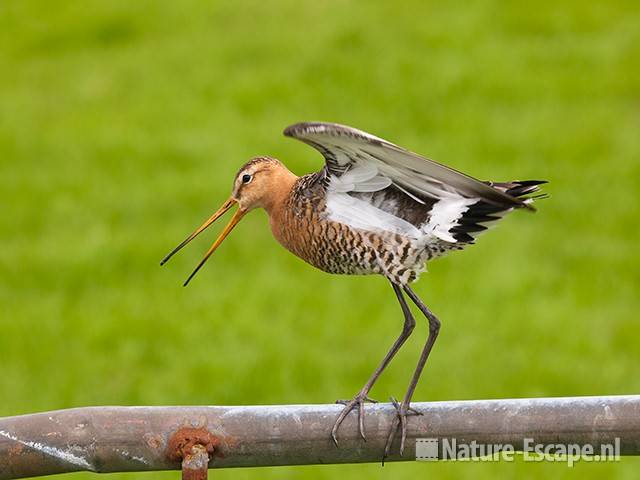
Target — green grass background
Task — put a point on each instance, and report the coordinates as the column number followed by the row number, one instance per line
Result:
column 123, row 123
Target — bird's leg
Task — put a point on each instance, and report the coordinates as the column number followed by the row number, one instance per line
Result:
column 404, row 408
column 362, row 396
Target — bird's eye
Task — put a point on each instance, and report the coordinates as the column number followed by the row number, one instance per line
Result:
column 246, row 178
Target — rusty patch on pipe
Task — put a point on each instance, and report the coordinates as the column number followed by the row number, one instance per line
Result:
column 195, row 464
column 181, row 443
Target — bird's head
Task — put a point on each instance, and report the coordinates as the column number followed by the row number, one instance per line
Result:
column 261, row 182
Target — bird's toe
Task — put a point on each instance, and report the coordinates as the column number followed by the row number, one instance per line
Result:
column 403, row 410
column 355, row 403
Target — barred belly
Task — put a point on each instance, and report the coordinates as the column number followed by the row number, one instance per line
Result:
column 338, row 248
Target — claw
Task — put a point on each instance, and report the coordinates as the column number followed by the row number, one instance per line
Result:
column 392, row 433
column 333, row 437
column 400, row 420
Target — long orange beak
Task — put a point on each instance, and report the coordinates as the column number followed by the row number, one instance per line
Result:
column 232, row 223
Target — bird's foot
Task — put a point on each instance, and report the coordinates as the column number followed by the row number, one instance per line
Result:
column 357, row 402
column 403, row 410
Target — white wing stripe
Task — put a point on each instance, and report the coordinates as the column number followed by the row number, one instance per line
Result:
column 343, row 208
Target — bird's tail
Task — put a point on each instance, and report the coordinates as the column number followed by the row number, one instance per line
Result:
column 479, row 216
column 521, row 189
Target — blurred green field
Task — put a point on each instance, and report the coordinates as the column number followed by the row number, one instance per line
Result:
column 123, row 123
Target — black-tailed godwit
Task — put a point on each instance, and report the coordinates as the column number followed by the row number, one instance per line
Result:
column 374, row 208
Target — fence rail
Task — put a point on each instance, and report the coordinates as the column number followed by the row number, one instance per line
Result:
column 126, row 439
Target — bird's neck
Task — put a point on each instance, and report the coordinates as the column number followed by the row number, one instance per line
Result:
column 281, row 186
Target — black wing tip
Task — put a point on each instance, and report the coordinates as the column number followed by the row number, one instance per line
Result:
column 532, row 182
column 519, row 191
column 523, row 190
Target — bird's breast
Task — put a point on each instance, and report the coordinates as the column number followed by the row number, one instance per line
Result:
column 334, row 247
column 305, row 231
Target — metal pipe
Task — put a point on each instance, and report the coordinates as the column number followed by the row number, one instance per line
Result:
column 125, row 439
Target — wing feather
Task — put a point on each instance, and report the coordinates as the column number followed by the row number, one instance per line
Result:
column 346, row 148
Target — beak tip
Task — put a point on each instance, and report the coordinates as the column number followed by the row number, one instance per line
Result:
column 166, row 259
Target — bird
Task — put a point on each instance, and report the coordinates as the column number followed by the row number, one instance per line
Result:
column 373, row 208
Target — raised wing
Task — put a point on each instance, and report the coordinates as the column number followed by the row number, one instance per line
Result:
column 368, row 163
column 372, row 184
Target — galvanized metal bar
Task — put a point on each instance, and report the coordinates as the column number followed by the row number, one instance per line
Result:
column 124, row 439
